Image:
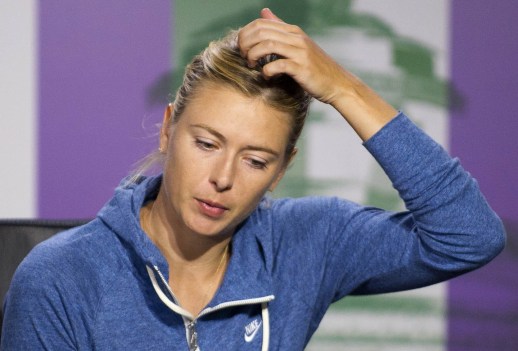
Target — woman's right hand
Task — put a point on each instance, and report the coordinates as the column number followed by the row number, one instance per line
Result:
column 314, row 70
column 300, row 56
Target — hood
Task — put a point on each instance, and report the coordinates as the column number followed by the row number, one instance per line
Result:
column 122, row 215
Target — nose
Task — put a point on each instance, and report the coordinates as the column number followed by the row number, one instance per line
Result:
column 222, row 174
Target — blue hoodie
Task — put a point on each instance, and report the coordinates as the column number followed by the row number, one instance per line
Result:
column 103, row 286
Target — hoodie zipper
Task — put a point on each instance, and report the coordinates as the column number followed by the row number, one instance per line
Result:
column 192, row 336
column 191, row 333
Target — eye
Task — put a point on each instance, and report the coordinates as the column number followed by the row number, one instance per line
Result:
column 256, row 163
column 204, row 144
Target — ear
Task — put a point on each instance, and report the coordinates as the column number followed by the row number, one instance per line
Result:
column 283, row 170
column 165, row 130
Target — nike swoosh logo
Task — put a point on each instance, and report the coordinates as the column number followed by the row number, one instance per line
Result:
column 250, row 337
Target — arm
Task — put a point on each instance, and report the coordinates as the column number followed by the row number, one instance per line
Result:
column 37, row 308
column 449, row 228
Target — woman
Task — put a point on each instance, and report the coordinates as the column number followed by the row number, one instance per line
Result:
column 197, row 259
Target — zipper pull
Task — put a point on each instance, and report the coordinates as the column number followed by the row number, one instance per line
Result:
column 192, row 336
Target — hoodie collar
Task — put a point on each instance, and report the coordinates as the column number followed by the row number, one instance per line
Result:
column 248, row 274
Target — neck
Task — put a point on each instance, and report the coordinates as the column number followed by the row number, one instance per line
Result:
column 197, row 264
column 181, row 247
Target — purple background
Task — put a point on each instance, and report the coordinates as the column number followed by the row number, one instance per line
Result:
column 483, row 305
column 99, row 59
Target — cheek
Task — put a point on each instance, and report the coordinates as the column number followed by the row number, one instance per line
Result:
column 179, row 168
column 252, row 191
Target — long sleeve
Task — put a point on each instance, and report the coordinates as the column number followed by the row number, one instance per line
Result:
column 449, row 228
column 38, row 311
column 340, row 248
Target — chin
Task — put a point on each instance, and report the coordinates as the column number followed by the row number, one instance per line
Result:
column 211, row 230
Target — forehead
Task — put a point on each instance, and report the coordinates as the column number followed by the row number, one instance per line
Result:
column 236, row 115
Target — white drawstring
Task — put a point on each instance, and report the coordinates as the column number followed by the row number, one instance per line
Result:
column 266, row 326
column 165, row 299
column 185, row 313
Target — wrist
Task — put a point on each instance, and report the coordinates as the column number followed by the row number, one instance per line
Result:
column 363, row 108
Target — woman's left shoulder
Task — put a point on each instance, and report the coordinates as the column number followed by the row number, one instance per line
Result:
column 308, row 208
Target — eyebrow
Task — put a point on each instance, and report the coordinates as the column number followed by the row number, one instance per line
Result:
column 222, row 138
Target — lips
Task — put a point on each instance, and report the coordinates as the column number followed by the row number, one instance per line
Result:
column 211, row 209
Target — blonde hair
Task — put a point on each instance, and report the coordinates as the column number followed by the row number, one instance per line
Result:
column 221, row 64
